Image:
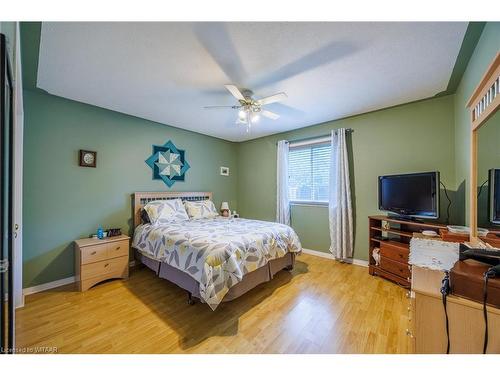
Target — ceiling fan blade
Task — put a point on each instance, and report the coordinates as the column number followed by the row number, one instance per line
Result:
column 235, row 92
column 270, row 114
column 221, row 106
column 273, row 98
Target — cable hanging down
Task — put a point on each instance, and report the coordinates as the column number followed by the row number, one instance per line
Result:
column 449, row 202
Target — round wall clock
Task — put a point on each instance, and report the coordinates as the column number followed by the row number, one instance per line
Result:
column 88, row 158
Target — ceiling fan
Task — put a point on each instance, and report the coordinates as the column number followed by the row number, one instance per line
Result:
column 250, row 109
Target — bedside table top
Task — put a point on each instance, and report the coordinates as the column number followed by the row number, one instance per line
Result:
column 95, row 241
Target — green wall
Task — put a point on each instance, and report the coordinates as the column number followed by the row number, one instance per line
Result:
column 408, row 138
column 63, row 202
column 485, row 51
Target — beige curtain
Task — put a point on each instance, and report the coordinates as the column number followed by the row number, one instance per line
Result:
column 339, row 206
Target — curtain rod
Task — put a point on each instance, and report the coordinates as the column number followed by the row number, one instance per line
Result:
column 317, row 136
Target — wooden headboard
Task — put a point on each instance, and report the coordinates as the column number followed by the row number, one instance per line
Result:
column 142, row 198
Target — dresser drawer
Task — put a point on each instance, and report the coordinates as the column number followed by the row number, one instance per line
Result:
column 396, row 253
column 118, row 249
column 91, row 254
column 397, row 268
column 109, row 266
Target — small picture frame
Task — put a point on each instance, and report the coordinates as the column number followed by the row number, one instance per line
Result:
column 88, row 158
column 224, row 171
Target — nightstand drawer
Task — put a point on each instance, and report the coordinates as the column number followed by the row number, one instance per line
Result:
column 118, row 249
column 94, row 253
column 110, row 266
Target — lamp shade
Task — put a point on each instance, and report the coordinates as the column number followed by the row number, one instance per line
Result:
column 224, row 206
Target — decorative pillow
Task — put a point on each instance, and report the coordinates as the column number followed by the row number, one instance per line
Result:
column 201, row 209
column 166, row 211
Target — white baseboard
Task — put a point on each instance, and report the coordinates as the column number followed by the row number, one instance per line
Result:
column 321, row 254
column 55, row 284
column 47, row 286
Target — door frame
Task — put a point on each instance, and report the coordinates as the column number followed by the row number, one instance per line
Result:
column 18, row 172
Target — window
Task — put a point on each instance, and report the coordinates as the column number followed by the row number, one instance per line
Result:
column 309, row 172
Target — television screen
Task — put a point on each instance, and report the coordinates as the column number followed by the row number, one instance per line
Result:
column 415, row 194
column 494, row 196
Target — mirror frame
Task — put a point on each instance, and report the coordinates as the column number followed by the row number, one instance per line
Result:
column 483, row 104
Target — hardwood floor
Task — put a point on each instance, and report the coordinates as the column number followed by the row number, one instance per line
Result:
column 322, row 306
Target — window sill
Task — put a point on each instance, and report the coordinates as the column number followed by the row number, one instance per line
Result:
column 309, row 203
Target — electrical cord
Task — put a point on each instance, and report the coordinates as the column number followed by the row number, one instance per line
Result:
column 485, row 311
column 490, row 274
column 449, row 202
column 445, row 290
column 481, row 188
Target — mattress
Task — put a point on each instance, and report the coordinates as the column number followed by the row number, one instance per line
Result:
column 217, row 252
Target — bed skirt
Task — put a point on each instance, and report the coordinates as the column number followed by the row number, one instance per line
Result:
column 249, row 281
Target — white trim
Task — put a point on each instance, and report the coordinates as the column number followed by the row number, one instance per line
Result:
column 322, row 254
column 54, row 284
column 358, row 262
column 47, row 286
column 17, row 183
column 310, row 142
column 317, row 253
column 309, row 203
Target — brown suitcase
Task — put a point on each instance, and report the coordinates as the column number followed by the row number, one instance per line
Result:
column 467, row 281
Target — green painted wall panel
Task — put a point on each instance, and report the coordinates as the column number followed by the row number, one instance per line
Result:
column 311, row 225
column 408, row 138
column 63, row 201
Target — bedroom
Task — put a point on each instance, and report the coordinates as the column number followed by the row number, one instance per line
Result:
column 124, row 169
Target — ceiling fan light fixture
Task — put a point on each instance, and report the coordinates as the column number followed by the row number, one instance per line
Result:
column 249, row 109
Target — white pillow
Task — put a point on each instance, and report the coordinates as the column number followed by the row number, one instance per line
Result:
column 201, row 209
column 166, row 211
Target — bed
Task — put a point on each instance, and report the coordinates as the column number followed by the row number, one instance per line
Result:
column 214, row 259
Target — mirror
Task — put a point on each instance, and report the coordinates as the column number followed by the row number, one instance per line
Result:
column 483, row 105
column 488, row 157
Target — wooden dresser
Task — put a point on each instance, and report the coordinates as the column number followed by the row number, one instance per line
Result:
column 427, row 323
column 394, row 253
column 98, row 260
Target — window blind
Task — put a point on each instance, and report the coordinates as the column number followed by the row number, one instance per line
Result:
column 309, row 172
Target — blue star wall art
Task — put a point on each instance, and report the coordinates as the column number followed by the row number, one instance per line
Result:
column 168, row 163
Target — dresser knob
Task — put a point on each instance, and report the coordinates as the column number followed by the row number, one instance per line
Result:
column 93, row 253
column 107, row 264
column 118, row 248
column 408, row 333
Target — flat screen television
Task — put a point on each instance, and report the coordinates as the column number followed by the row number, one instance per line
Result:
column 494, row 196
column 414, row 195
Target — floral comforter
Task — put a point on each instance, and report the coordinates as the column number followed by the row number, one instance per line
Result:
column 216, row 252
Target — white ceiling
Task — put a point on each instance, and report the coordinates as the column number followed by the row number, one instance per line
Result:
column 166, row 72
